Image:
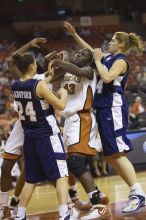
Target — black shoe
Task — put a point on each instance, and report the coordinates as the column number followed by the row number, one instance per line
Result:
column 13, row 202
column 13, row 207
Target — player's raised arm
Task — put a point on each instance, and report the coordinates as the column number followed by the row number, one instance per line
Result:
column 33, row 43
column 70, row 28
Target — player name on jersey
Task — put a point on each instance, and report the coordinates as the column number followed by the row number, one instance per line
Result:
column 72, row 78
column 22, row 94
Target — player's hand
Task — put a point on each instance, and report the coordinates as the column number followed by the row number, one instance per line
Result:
column 51, row 64
column 36, row 41
column 98, row 54
column 64, row 55
column 69, row 28
column 55, row 63
column 53, row 55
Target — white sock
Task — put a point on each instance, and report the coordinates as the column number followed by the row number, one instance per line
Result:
column 63, row 210
column 91, row 193
column 21, row 211
column 4, row 198
column 136, row 189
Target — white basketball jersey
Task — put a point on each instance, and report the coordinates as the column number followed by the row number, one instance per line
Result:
column 42, row 77
column 80, row 93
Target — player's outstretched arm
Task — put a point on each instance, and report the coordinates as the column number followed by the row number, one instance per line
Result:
column 70, row 28
column 73, row 69
column 33, row 43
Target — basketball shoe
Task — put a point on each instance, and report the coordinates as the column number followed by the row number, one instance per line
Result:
column 20, row 218
column 134, row 203
column 81, row 205
column 97, row 212
column 84, row 206
column 72, row 214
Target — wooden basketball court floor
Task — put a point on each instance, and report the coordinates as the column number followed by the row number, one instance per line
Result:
column 43, row 204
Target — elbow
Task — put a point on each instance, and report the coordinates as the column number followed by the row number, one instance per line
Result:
column 61, row 104
column 61, row 107
column 107, row 80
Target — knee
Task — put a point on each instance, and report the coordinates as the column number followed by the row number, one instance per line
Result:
column 118, row 155
column 77, row 165
column 114, row 157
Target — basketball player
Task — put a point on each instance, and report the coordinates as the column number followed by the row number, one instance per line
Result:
column 44, row 154
column 80, row 126
column 112, row 108
column 13, row 147
column 103, row 199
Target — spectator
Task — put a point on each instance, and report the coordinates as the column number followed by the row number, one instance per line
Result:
column 133, row 120
column 138, row 107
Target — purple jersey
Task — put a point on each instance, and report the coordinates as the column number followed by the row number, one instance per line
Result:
column 36, row 115
column 111, row 94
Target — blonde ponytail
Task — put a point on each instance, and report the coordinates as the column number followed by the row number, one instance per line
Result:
column 136, row 43
column 131, row 42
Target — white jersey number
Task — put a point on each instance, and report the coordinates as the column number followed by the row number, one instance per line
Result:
column 99, row 86
column 70, row 88
column 29, row 111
